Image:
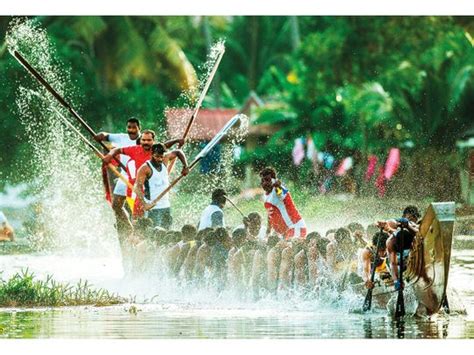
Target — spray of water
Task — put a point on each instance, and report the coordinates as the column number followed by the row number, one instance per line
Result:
column 198, row 187
column 67, row 174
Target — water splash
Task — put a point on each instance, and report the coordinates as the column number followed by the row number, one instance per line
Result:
column 73, row 210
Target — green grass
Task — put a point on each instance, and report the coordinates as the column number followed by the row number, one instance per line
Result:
column 24, row 290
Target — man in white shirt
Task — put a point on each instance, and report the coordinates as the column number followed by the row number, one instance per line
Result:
column 213, row 216
column 121, row 140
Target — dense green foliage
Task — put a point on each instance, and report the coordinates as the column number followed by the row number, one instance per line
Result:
column 356, row 84
column 23, row 290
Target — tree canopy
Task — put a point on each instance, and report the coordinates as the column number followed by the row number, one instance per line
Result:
column 352, row 83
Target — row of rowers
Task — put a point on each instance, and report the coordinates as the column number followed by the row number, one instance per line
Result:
column 241, row 258
column 147, row 170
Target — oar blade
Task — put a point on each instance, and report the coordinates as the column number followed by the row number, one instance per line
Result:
column 368, row 301
column 400, row 308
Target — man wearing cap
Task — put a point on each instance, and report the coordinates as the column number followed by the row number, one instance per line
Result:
column 213, row 216
column 153, row 179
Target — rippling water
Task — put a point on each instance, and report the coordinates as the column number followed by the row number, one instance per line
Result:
column 191, row 314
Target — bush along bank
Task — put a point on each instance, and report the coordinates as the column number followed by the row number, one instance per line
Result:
column 24, row 290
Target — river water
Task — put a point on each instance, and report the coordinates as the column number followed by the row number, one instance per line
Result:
column 178, row 313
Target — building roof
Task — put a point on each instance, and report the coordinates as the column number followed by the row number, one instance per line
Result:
column 207, row 124
column 252, row 100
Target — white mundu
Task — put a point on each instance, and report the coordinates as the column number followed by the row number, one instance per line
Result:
column 206, row 221
column 156, row 183
column 121, row 140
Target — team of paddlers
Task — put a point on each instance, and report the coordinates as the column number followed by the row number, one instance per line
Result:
column 280, row 255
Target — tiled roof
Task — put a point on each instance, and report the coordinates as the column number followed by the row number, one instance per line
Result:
column 207, row 124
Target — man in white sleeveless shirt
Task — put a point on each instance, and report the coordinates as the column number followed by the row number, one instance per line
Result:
column 213, row 216
column 153, row 179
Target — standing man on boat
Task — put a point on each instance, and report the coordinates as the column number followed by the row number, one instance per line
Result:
column 283, row 216
column 153, row 179
column 120, row 140
column 213, row 215
column 405, row 228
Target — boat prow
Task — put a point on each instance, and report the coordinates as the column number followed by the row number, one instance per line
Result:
column 430, row 257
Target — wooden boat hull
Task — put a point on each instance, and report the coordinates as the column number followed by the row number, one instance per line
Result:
column 428, row 263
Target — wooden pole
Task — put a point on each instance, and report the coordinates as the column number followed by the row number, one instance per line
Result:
column 61, row 100
column 198, row 105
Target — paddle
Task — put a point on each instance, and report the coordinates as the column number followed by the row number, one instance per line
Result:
column 368, row 298
column 198, row 104
column 196, row 160
column 61, row 100
column 400, row 307
column 233, row 204
column 96, row 151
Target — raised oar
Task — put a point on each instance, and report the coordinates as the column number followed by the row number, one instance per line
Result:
column 196, row 160
column 96, row 151
column 61, row 100
column 400, row 308
column 233, row 205
column 368, row 298
column 198, row 104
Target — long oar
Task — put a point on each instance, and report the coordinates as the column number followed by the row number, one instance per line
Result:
column 58, row 97
column 96, row 151
column 201, row 155
column 400, row 308
column 233, row 205
column 198, row 104
column 368, row 298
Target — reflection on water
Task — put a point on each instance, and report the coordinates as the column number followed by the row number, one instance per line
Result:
column 178, row 313
column 158, row 322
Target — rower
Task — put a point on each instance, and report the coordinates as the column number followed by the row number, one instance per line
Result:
column 253, row 226
column 236, row 271
column 358, row 234
column 368, row 255
column 121, row 140
column 405, row 228
column 153, row 179
column 340, row 250
column 213, row 215
column 283, row 217
column 6, row 230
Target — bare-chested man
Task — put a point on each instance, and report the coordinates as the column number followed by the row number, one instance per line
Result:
column 377, row 250
column 236, row 273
